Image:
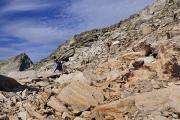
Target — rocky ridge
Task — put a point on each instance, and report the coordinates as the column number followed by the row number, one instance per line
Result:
column 129, row 71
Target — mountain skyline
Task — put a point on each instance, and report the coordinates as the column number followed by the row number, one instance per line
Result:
column 38, row 27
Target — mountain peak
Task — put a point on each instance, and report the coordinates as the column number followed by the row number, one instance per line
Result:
column 20, row 62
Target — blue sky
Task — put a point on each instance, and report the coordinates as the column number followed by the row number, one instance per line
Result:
column 38, row 27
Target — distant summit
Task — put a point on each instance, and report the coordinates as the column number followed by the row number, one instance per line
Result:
column 20, row 62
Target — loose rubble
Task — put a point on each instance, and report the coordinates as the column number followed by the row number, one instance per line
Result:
column 128, row 71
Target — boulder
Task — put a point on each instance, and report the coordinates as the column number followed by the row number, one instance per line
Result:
column 80, row 76
column 149, row 102
column 56, row 104
column 80, row 96
column 116, row 108
column 8, row 84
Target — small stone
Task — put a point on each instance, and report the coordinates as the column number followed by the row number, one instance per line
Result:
column 165, row 114
column 66, row 116
column 79, row 118
column 170, row 83
column 25, row 93
column 108, row 117
column 165, row 84
column 42, row 83
column 175, row 116
column 2, row 97
column 156, row 86
column 22, row 115
column 159, row 118
column 177, row 83
column 86, row 114
column 14, row 100
column 57, row 105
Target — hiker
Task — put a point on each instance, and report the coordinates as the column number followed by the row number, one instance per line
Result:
column 59, row 66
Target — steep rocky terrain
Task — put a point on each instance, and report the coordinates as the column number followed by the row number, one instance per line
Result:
column 128, row 71
column 20, row 62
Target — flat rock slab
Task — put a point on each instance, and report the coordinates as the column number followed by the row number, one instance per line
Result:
column 148, row 102
column 80, row 96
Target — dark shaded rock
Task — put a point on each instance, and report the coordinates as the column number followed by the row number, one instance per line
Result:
column 25, row 61
column 176, row 70
column 9, row 84
column 138, row 64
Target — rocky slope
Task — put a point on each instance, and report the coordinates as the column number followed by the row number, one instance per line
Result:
column 129, row 71
column 20, row 62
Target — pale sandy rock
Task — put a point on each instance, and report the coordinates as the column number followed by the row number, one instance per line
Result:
column 115, row 35
column 25, row 93
column 56, row 104
column 115, row 42
column 43, row 97
column 80, row 96
column 152, row 100
column 157, row 99
column 117, row 108
column 80, row 76
column 112, row 64
column 146, row 29
column 86, row 114
column 160, row 118
column 22, row 115
column 2, row 97
column 142, row 74
column 14, row 99
column 31, row 109
column 156, row 7
column 30, row 74
column 177, row 83
column 79, row 118
column 133, row 55
column 42, row 83
column 147, row 102
column 156, row 86
column 113, row 75
column 147, row 60
column 67, row 116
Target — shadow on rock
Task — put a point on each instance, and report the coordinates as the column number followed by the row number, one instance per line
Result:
column 8, row 84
